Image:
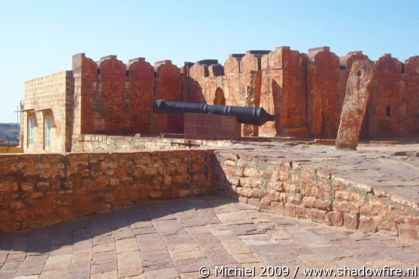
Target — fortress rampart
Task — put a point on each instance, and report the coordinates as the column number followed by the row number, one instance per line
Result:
column 305, row 92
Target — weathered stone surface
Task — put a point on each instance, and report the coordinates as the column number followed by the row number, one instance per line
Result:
column 141, row 86
column 304, row 193
column 411, row 88
column 286, row 240
column 49, row 96
column 386, row 110
column 345, row 68
column 167, row 88
column 233, row 64
column 111, row 181
column 323, row 88
column 85, row 79
column 355, row 104
column 283, row 91
column 112, row 86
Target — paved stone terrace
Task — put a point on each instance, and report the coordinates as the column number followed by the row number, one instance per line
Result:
column 391, row 168
column 173, row 239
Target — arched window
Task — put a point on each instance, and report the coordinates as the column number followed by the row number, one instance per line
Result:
column 219, row 97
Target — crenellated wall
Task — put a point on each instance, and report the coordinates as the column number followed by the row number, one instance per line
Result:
column 140, row 88
column 386, row 114
column 115, row 99
column 167, row 87
column 284, row 92
column 305, row 92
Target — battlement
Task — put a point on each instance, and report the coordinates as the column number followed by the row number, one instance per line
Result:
column 305, row 92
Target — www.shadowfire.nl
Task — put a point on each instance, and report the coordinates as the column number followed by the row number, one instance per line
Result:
column 361, row 272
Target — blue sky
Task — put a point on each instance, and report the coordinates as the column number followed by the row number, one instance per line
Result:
column 39, row 37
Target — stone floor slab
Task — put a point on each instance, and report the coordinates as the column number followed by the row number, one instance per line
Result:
column 146, row 243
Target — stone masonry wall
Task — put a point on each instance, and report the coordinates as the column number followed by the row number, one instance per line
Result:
column 167, row 87
column 306, row 92
column 115, row 99
column 110, row 143
column 37, row 190
column 51, row 96
column 411, row 89
column 42, row 189
column 284, row 92
column 387, row 104
column 323, row 93
column 287, row 188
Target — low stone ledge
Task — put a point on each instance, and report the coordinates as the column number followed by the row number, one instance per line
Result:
column 43, row 189
column 292, row 189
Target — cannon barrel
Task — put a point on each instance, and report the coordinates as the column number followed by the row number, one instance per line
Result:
column 248, row 115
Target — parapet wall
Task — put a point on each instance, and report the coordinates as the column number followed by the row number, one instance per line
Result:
column 305, row 92
column 115, row 99
column 287, row 188
column 37, row 190
column 109, row 143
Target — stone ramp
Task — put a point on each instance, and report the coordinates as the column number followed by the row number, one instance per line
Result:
column 174, row 239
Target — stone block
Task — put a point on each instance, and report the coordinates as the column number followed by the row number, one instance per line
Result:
column 355, row 104
column 351, row 220
column 335, row 218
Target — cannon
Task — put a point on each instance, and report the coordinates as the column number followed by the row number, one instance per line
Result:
column 247, row 115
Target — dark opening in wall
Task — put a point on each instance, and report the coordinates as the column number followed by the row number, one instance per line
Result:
column 388, row 111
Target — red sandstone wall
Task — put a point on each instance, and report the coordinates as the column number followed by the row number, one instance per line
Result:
column 141, row 85
column 38, row 190
column 195, row 91
column 211, row 127
column 112, row 86
column 167, row 86
column 251, row 65
column 234, row 86
column 207, row 79
column 387, row 108
column 238, row 82
column 85, row 81
column 323, row 93
column 283, row 92
column 303, row 92
column 411, row 89
column 112, row 98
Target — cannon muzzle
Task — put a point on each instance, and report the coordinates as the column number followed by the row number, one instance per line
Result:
column 247, row 115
